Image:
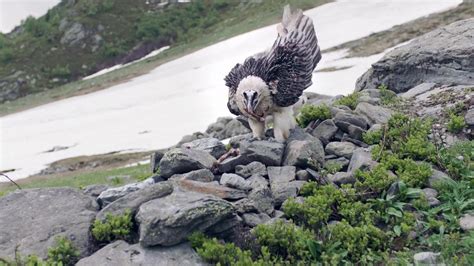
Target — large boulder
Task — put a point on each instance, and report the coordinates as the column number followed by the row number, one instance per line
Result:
column 443, row 56
column 122, row 253
column 170, row 220
column 269, row 153
column 31, row 220
column 112, row 194
column 180, row 161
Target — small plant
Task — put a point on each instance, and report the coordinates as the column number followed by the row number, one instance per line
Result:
column 374, row 181
column 372, row 137
column 456, row 123
column 6, row 55
column 311, row 113
column 63, row 253
column 458, row 159
column 387, row 96
column 113, row 228
column 60, row 72
column 350, row 100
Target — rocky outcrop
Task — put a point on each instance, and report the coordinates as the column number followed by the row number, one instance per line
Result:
column 443, row 56
column 183, row 160
column 31, row 220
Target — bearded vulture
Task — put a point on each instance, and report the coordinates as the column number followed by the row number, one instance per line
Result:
column 272, row 82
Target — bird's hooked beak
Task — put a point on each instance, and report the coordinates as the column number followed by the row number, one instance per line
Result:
column 251, row 101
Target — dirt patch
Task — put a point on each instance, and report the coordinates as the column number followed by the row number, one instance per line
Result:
column 380, row 41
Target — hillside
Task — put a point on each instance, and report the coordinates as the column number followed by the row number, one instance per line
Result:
column 77, row 38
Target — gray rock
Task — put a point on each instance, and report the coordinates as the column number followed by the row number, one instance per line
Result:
column 74, row 34
column 32, row 219
column 254, row 219
column 325, row 131
column 302, row 175
column 262, row 200
column 257, row 181
column 112, row 194
column 253, row 168
column 122, row 253
column 417, row 90
column 235, row 181
column 375, row 114
column 280, row 179
column 190, row 138
column 361, row 159
column 135, row 199
column 304, row 153
column 236, row 140
column 341, row 149
column 437, row 177
column 355, row 132
column 202, row 175
column 95, row 190
column 427, row 258
column 212, row 188
column 343, row 120
column 169, row 221
column 430, row 193
column 211, row 145
column 282, row 193
column 225, row 227
column 155, row 159
column 278, row 214
column 469, row 117
column 229, row 164
column 467, row 222
column 343, row 162
column 226, row 127
column 341, row 178
column 180, row 161
column 269, row 153
column 446, row 54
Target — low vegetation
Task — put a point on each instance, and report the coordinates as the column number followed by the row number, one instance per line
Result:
column 384, row 218
column 312, row 113
column 113, row 227
column 350, row 100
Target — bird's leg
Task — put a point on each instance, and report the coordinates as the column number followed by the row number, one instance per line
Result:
column 258, row 128
column 283, row 122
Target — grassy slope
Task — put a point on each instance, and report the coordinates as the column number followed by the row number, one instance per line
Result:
column 236, row 20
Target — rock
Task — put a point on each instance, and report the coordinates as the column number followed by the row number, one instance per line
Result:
column 95, row 190
column 355, row 132
column 190, row 138
column 469, row 117
column 261, row 198
column 226, row 127
column 253, row 168
column 257, row 181
column 436, row 177
column 269, row 153
column 212, row 188
column 417, row 90
column 135, row 199
column 169, row 221
column 375, row 114
column 445, row 54
column 280, row 179
column 302, row 175
column 229, row 164
column 304, row 153
column 211, row 145
column 32, row 219
column 74, row 34
column 341, row 149
column 110, row 195
column 343, row 162
column 180, row 161
column 361, row 159
column 341, row 178
column 201, row 175
column 254, row 219
column 122, row 253
column 278, row 214
column 225, row 227
column 430, row 193
column 343, row 120
column 235, row 141
column 235, row 181
column 155, row 159
column 325, row 131
column 467, row 222
column 427, row 258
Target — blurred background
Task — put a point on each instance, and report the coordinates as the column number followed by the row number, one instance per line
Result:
column 92, row 85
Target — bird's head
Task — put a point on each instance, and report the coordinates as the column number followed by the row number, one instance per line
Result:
column 251, row 89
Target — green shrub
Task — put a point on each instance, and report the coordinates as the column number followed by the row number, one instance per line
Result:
column 456, row 123
column 113, row 49
column 412, row 173
column 113, row 228
column 36, row 27
column 311, row 113
column 372, row 137
column 375, row 180
column 63, row 253
column 387, row 96
column 6, row 55
column 458, row 159
column 61, row 72
column 350, row 100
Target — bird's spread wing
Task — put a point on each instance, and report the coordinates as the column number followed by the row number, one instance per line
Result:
column 293, row 57
column 287, row 67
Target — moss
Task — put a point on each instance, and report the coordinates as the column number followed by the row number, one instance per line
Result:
column 311, row 113
column 350, row 100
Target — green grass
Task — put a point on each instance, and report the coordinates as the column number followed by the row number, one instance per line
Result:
column 80, row 180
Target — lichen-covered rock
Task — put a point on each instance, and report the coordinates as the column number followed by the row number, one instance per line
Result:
column 342, row 149
column 212, row 188
column 253, row 168
column 281, row 183
column 445, row 54
column 269, row 153
column 325, row 131
column 133, row 200
column 235, row 181
column 341, row 178
column 180, row 161
column 112, row 194
column 304, row 153
column 202, row 175
column 32, row 219
column 254, row 219
column 170, row 220
column 467, row 222
column 374, row 114
column 122, row 253
column 211, row 145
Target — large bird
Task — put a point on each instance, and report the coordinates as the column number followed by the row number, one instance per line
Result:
column 271, row 83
